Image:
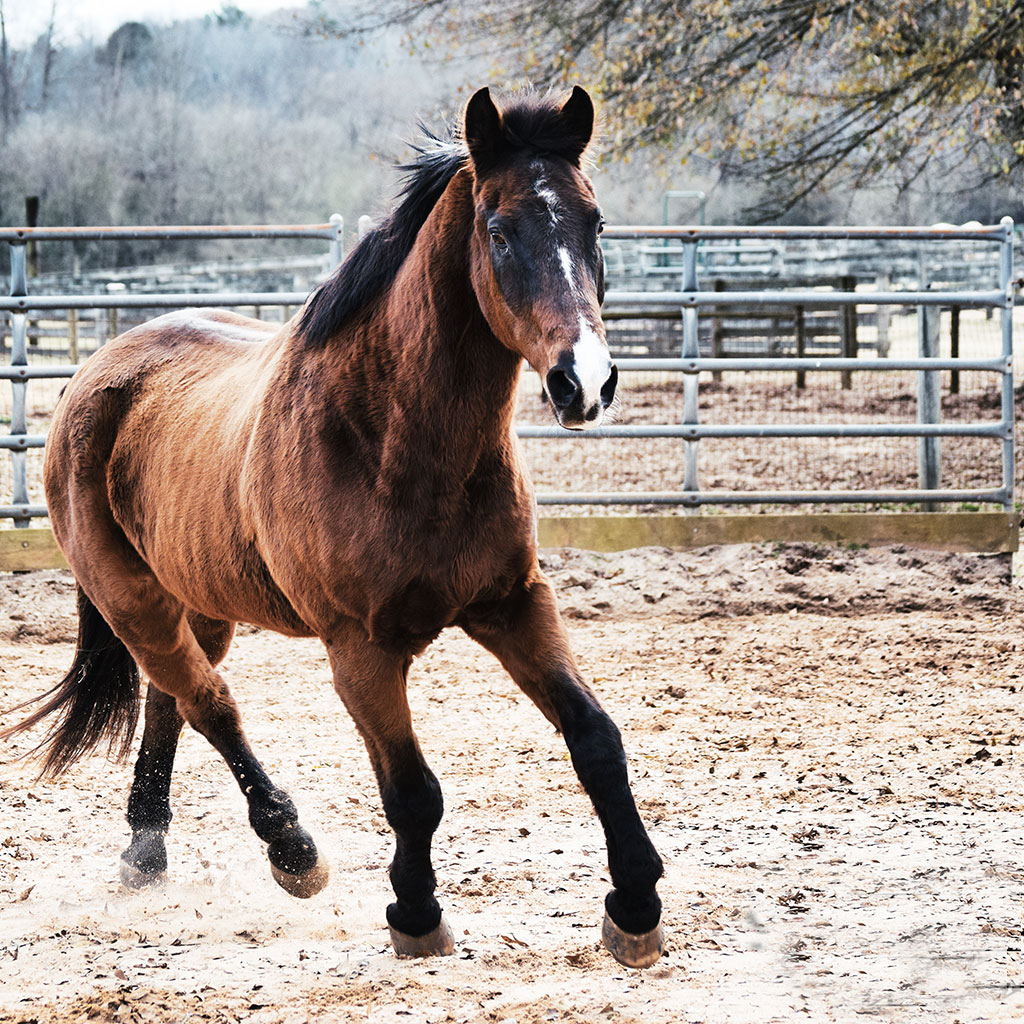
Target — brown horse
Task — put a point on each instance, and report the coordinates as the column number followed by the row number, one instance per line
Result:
column 353, row 476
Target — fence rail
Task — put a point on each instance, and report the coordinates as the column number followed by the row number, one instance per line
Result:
column 686, row 302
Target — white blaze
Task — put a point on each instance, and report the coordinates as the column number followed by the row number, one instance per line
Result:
column 591, row 363
column 549, row 197
column 566, row 260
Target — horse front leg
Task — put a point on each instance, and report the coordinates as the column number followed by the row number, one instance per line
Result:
column 526, row 634
column 372, row 685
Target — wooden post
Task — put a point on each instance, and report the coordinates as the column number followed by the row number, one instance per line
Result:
column 113, row 288
column 801, row 344
column 883, row 316
column 849, row 330
column 32, row 255
column 73, row 335
column 32, row 249
column 929, row 408
column 716, row 332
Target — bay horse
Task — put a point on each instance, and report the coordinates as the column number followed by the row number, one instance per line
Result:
column 354, row 476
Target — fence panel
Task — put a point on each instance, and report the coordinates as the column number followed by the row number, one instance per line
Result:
column 809, row 325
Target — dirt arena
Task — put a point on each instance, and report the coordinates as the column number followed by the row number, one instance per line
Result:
column 826, row 744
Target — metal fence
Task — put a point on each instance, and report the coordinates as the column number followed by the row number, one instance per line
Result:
column 20, row 303
column 690, row 300
column 684, row 255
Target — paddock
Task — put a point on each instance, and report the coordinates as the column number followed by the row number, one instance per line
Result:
column 823, row 741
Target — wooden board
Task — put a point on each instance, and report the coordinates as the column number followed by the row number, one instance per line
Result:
column 944, row 531
column 35, row 548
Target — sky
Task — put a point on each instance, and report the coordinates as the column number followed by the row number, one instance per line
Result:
column 96, row 19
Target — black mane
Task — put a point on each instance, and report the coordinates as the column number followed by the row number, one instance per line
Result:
column 529, row 122
column 375, row 261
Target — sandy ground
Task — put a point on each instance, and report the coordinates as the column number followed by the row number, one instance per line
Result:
column 824, row 742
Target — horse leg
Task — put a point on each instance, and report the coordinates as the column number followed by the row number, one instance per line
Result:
column 371, row 684
column 153, row 626
column 149, row 808
column 526, row 634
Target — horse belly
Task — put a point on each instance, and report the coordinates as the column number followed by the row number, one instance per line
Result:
column 186, row 519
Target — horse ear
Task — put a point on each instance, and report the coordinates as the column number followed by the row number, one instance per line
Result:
column 483, row 130
column 577, row 117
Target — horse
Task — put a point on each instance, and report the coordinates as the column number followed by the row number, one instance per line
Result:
column 352, row 475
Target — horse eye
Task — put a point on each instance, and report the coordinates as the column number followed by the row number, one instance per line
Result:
column 600, row 226
column 499, row 240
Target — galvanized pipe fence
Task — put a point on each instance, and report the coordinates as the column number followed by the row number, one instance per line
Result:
column 20, row 303
column 688, row 301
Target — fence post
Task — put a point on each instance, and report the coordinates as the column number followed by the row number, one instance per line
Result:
column 954, row 348
column 849, row 330
column 716, row 332
column 801, row 344
column 691, row 350
column 1006, row 326
column 337, row 249
column 929, row 407
column 114, row 288
column 19, row 357
column 883, row 316
column 73, row 335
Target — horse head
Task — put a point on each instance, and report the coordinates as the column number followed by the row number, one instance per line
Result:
column 537, row 267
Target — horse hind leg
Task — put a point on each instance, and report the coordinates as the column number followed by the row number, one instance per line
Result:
column 149, row 807
column 153, row 626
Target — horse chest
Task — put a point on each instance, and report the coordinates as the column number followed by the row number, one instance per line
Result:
column 406, row 616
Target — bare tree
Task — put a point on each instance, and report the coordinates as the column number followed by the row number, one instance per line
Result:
column 806, row 94
column 49, row 52
column 6, row 75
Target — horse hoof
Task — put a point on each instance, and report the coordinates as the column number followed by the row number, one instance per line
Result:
column 439, row 942
column 632, row 950
column 305, row 885
column 133, row 878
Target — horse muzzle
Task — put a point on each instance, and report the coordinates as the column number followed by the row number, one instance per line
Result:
column 581, row 385
column 576, row 406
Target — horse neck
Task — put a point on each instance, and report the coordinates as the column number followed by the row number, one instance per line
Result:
column 445, row 386
column 442, row 327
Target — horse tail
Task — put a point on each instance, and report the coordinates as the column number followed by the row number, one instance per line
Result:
column 97, row 700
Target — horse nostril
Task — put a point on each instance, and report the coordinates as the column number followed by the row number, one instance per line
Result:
column 563, row 387
column 608, row 388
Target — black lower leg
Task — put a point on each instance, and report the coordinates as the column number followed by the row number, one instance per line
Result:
column 272, row 815
column 149, row 808
column 596, row 750
column 414, row 806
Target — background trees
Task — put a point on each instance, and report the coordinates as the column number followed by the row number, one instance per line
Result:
column 216, row 120
column 802, row 99
column 907, row 110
